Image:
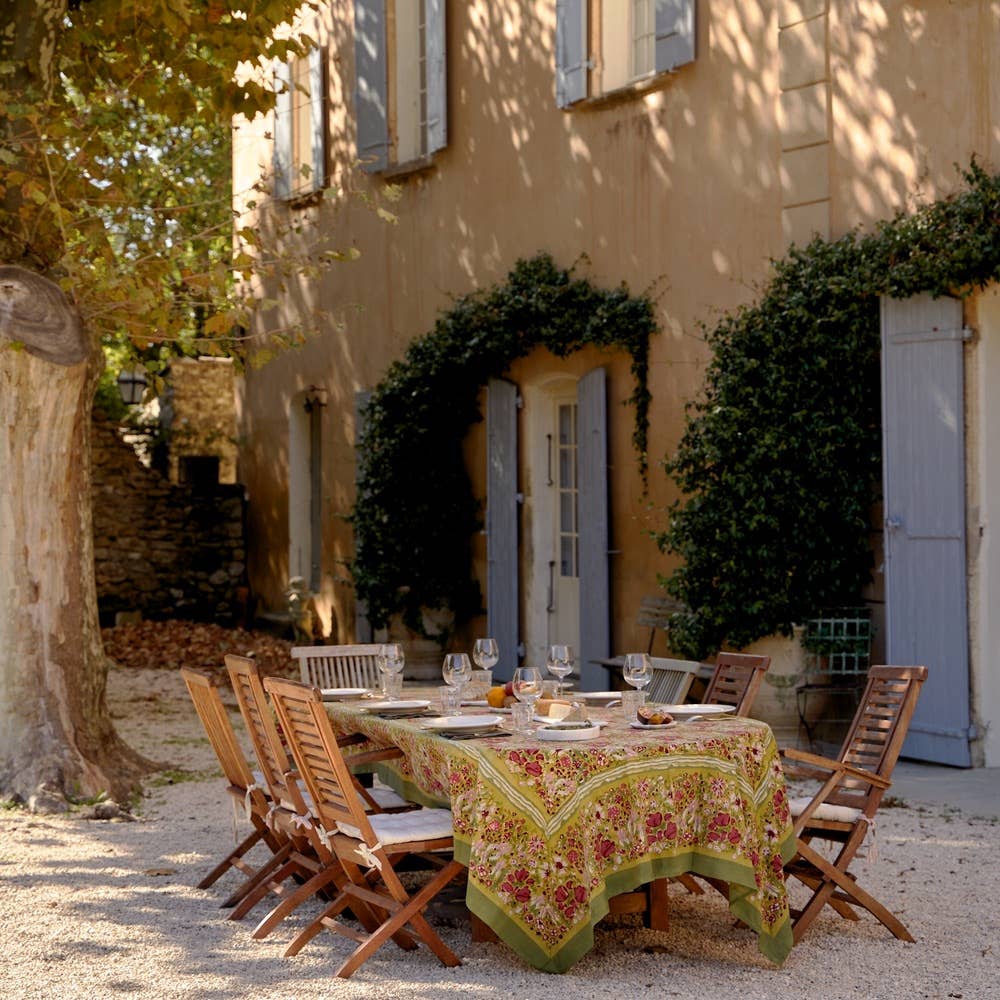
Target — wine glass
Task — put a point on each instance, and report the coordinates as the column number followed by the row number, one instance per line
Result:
column 486, row 653
column 457, row 671
column 390, row 661
column 527, row 685
column 638, row 671
column 560, row 663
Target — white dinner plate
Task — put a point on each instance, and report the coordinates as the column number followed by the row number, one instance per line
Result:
column 396, row 706
column 681, row 712
column 562, row 733
column 646, row 725
column 461, row 723
column 343, row 694
column 600, row 696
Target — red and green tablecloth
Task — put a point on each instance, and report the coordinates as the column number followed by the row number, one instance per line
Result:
column 551, row 831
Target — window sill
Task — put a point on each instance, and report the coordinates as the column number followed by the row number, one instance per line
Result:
column 304, row 200
column 420, row 165
column 628, row 92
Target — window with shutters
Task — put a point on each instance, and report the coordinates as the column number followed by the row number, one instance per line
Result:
column 400, row 73
column 300, row 126
column 607, row 46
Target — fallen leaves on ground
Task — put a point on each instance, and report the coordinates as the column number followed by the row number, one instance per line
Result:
column 169, row 645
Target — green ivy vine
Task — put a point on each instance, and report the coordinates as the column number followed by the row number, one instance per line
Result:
column 781, row 457
column 415, row 513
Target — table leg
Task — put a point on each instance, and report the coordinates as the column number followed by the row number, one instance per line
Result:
column 481, row 931
column 658, row 913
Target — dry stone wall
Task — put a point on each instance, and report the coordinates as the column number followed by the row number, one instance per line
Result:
column 168, row 551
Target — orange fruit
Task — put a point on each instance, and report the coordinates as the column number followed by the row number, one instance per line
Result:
column 495, row 697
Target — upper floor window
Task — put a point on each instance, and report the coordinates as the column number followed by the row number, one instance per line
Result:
column 606, row 46
column 300, row 126
column 400, row 93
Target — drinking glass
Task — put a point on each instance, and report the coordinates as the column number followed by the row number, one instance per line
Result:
column 527, row 685
column 521, row 716
column 457, row 670
column 632, row 701
column 486, row 653
column 560, row 663
column 638, row 670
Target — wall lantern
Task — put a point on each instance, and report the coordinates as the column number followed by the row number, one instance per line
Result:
column 132, row 384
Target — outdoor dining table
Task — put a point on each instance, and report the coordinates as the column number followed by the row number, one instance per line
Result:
column 551, row 831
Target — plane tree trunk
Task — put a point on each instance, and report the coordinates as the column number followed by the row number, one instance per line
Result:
column 57, row 741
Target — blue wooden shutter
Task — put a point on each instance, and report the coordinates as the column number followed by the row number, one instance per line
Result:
column 282, row 159
column 362, row 627
column 592, row 472
column 924, row 498
column 371, row 87
column 571, row 51
column 675, row 34
column 501, row 522
column 437, row 75
column 317, row 118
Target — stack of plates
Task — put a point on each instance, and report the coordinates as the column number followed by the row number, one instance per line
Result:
column 396, row 707
column 456, row 725
column 343, row 694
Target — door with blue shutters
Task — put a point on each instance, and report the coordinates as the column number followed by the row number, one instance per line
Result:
column 548, row 557
column 924, row 502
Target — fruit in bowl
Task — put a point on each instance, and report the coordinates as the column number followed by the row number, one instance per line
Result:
column 501, row 696
column 653, row 715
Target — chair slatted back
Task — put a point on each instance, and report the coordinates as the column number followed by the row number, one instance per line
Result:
column 671, row 679
column 249, row 688
column 320, row 762
column 208, row 704
column 339, row 666
column 876, row 736
column 736, row 680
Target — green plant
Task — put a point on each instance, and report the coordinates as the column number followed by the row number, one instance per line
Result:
column 781, row 456
column 415, row 513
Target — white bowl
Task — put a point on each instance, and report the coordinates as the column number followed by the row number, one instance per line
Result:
column 565, row 733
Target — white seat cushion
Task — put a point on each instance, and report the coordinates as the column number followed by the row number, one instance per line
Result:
column 398, row 828
column 388, row 799
column 836, row 814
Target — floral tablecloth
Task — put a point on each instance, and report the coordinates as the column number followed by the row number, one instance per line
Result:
column 551, row 831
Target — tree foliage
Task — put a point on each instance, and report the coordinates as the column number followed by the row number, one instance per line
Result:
column 415, row 513
column 781, row 457
column 115, row 124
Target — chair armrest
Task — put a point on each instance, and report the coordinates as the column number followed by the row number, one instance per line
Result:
column 352, row 740
column 368, row 756
column 835, row 766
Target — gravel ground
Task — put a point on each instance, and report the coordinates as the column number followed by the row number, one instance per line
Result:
column 106, row 909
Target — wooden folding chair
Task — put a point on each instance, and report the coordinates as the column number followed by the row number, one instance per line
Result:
column 241, row 787
column 843, row 810
column 339, row 666
column 367, row 846
column 289, row 801
column 736, row 680
column 672, row 679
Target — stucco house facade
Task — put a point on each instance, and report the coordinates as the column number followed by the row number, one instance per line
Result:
column 677, row 146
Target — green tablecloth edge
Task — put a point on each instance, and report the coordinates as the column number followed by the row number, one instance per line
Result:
column 773, row 946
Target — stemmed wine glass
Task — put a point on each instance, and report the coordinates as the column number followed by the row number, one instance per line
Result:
column 527, row 685
column 560, row 663
column 457, row 671
column 638, row 671
column 486, row 653
column 390, row 662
